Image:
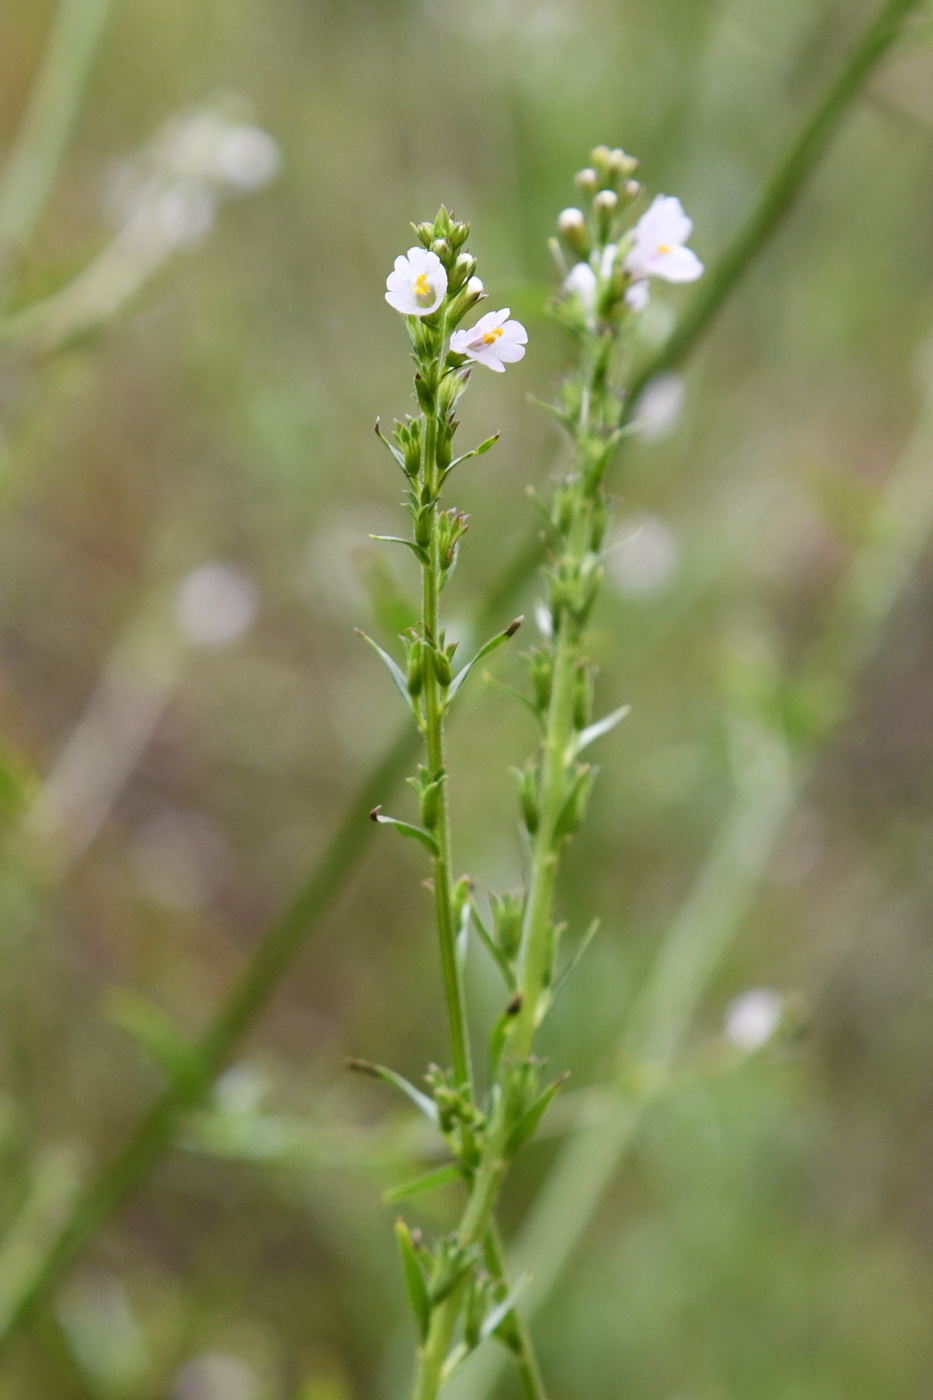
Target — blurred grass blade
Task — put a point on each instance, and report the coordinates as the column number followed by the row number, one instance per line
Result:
column 47, row 1206
column 288, row 934
column 46, row 124
column 430, row 1181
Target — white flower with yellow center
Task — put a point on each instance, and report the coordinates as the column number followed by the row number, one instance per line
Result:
column 494, row 341
column 418, row 284
column 658, row 249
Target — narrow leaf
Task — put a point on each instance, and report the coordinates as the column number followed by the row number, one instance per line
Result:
column 395, row 671
column 441, row 1176
column 416, row 549
column 463, row 935
column 597, row 730
column 491, row 645
column 529, row 1120
column 417, row 833
column 515, row 694
column 155, row 1032
column 476, row 452
column 414, row 1279
column 501, row 1311
column 454, row 1361
column 584, row 943
column 495, row 952
column 399, row 456
column 389, row 1076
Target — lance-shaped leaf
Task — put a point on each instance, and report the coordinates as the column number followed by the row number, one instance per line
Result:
column 501, row 1311
column 417, row 833
column 597, row 730
column 414, row 1279
column 399, row 456
column 476, row 452
column 429, row 1181
column 516, row 695
column 584, row 943
column 454, row 1361
column 155, row 1032
column 394, row 669
column 532, row 1116
column 419, row 553
column 491, row 645
column 495, row 952
column 421, row 1101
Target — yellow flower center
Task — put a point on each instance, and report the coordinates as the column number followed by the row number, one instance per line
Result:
column 490, row 337
column 665, row 247
column 422, row 290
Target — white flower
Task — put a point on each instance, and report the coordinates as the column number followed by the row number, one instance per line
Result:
column 658, row 249
column 753, row 1017
column 419, row 283
column 607, row 260
column 581, row 283
column 637, row 296
column 659, row 407
column 494, row 341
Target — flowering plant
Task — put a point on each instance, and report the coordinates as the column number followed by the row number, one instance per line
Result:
column 457, row 1288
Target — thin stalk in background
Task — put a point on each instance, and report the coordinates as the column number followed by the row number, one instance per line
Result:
column 771, row 778
column 117, row 1180
column 54, row 102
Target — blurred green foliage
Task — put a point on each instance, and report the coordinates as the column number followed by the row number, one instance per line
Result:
column 770, row 1236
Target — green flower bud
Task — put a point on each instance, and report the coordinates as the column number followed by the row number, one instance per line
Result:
column 527, row 781
column 587, row 180
column 461, row 272
column 605, row 206
column 508, row 917
column 442, row 248
column 571, row 224
column 425, row 396
column 442, row 667
column 415, row 668
column 541, row 673
column 583, row 697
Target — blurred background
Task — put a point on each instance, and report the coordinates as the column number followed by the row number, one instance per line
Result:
column 189, row 480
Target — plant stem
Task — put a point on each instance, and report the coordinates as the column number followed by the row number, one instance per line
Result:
column 434, row 740
column 47, row 122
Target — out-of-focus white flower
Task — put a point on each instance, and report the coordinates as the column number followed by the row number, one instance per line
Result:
column 581, row 282
column 607, row 260
column 544, row 619
column 637, row 296
column 247, row 157
column 216, row 603
column 182, row 213
column 494, row 341
column 659, row 407
column 658, row 249
column 645, row 556
column 216, row 1376
column 753, row 1017
column 418, row 284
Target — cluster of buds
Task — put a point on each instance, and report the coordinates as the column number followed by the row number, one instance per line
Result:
column 461, row 1122
column 606, row 261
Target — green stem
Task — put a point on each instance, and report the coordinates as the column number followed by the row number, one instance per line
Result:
column 46, row 125
column 434, row 740
column 290, row 932
column 525, row 1357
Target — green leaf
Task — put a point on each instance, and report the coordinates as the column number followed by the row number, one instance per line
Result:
column 399, row 456
column 395, row 671
column 597, row 730
column 495, row 952
column 417, row 551
column 491, row 645
column 499, row 1313
column 530, row 1119
column 453, row 1363
column 584, row 943
column 430, row 1181
column 476, row 452
column 414, row 1279
column 417, row 833
column 421, row 1101
column 515, row 695
column 155, row 1032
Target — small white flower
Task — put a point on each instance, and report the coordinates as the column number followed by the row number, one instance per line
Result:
column 581, row 282
column 418, row 284
column 753, row 1017
column 494, row 341
column 658, row 249
column 637, row 296
column 607, row 260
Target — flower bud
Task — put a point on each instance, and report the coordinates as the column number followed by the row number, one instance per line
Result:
column 442, row 667
column 508, row 915
column 631, row 188
column 604, row 207
column 442, row 248
column 572, row 226
column 583, row 697
column 425, row 233
column 526, row 779
column 415, row 668
column 462, row 270
column 620, row 164
column 459, row 233
column 425, row 397
column 587, row 180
